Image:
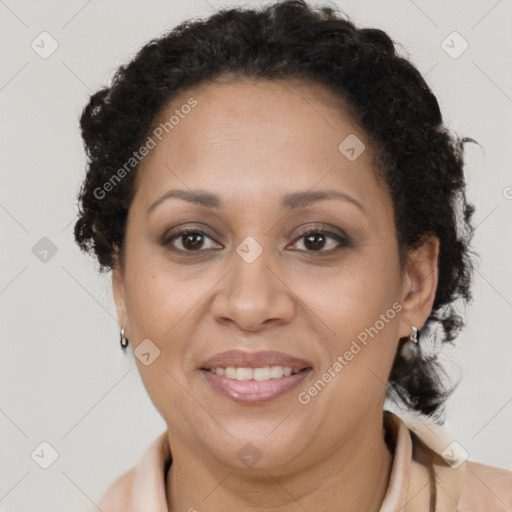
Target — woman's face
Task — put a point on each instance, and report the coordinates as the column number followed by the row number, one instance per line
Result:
column 247, row 279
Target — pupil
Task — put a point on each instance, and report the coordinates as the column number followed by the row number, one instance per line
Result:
column 193, row 241
column 310, row 243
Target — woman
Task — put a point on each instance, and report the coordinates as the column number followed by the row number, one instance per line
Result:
column 284, row 215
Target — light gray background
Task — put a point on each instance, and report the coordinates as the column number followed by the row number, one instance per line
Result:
column 63, row 377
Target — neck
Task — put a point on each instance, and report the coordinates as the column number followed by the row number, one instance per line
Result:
column 353, row 477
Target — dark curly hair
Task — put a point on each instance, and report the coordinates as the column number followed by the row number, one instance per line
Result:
column 420, row 161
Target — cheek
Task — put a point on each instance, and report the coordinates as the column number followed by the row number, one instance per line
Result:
column 353, row 295
column 359, row 306
column 160, row 308
column 156, row 297
column 167, row 304
column 158, row 303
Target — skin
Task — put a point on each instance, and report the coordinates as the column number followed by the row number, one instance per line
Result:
column 250, row 143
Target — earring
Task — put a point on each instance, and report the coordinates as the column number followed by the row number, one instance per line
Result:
column 413, row 336
column 124, row 341
column 410, row 349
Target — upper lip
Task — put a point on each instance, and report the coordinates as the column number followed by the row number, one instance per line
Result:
column 242, row 359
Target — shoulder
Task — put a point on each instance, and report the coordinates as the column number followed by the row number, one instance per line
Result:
column 141, row 487
column 475, row 487
column 119, row 495
column 486, row 488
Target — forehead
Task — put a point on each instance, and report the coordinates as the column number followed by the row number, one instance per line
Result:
column 248, row 135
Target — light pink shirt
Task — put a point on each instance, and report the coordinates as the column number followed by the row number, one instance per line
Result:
column 461, row 486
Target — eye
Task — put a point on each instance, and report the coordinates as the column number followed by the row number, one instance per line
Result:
column 317, row 240
column 190, row 240
column 195, row 240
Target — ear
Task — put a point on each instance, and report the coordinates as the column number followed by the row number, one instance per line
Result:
column 118, row 289
column 419, row 284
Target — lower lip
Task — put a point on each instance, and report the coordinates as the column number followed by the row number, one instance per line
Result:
column 253, row 391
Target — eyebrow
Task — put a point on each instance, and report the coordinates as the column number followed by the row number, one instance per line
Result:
column 291, row 201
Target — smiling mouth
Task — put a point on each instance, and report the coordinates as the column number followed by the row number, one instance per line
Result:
column 254, row 385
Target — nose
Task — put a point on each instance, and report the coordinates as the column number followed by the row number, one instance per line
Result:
column 253, row 296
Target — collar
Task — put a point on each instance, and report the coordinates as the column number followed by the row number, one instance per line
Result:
column 414, row 441
column 418, row 443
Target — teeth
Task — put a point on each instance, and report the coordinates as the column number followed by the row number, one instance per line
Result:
column 276, row 371
column 229, row 372
column 257, row 374
column 244, row 373
column 264, row 373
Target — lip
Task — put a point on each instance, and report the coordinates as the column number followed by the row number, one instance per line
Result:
column 251, row 391
column 242, row 359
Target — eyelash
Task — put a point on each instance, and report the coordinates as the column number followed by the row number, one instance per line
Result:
column 343, row 240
